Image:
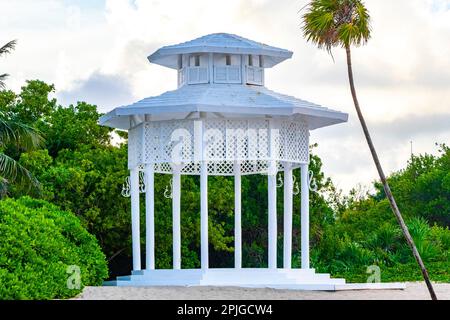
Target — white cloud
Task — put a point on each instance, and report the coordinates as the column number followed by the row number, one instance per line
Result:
column 98, row 53
column 104, row 90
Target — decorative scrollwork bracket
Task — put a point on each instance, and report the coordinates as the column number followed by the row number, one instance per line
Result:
column 280, row 181
column 312, row 182
column 296, row 190
column 168, row 191
column 142, row 187
column 126, row 188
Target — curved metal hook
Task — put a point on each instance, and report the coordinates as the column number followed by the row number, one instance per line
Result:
column 280, row 181
column 142, row 187
column 167, row 191
column 126, row 188
column 296, row 190
column 312, row 181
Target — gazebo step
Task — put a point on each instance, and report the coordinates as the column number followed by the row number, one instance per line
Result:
column 250, row 271
column 167, row 272
column 312, row 285
column 149, row 282
column 230, row 277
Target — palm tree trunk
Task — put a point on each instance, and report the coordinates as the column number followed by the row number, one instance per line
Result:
column 387, row 190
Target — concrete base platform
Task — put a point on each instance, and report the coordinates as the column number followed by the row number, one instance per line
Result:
column 287, row 279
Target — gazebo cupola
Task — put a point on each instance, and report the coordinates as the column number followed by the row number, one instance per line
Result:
column 221, row 120
column 220, row 58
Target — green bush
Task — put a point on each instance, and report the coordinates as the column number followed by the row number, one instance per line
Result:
column 41, row 247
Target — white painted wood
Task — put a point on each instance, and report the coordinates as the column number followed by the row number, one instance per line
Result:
column 220, row 59
column 135, row 230
column 202, row 59
column 272, row 195
column 304, row 216
column 221, row 43
column 203, row 102
column 287, row 237
column 204, row 216
column 243, row 74
column 198, row 141
column 240, row 100
column 227, row 74
column 176, row 202
column 199, row 154
column 149, row 217
column 272, row 203
column 211, row 67
column 237, row 217
column 197, row 75
column 255, row 75
column 181, row 77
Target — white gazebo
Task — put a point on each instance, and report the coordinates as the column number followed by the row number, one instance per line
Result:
column 221, row 120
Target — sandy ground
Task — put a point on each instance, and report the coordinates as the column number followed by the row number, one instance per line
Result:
column 413, row 291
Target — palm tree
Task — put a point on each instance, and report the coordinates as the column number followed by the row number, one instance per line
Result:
column 24, row 138
column 346, row 23
column 19, row 135
column 7, row 48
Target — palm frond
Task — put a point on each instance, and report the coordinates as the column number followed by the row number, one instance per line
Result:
column 19, row 134
column 2, row 80
column 331, row 23
column 7, row 48
column 12, row 171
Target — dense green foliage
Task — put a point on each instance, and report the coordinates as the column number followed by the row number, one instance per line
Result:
column 15, row 137
column 365, row 231
column 40, row 245
column 423, row 188
column 83, row 166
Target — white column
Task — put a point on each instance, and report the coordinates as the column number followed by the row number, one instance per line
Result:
column 287, row 247
column 176, row 228
column 272, row 193
column 200, row 158
column 305, row 216
column 135, row 233
column 243, row 73
column 211, row 67
column 204, row 215
column 149, row 217
column 237, row 217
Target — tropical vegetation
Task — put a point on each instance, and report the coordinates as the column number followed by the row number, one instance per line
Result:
column 64, row 223
column 82, row 166
column 45, row 253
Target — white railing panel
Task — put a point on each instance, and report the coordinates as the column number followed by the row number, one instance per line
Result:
column 255, row 75
column 197, row 75
column 181, row 77
column 227, row 74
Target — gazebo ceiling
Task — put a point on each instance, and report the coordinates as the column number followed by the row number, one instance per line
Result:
column 219, row 43
column 221, row 101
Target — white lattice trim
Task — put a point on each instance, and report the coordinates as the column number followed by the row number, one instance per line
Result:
column 252, row 142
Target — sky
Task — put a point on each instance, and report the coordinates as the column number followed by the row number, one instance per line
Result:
column 95, row 51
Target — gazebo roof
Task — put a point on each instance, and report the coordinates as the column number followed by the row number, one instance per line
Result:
column 222, row 100
column 219, row 43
